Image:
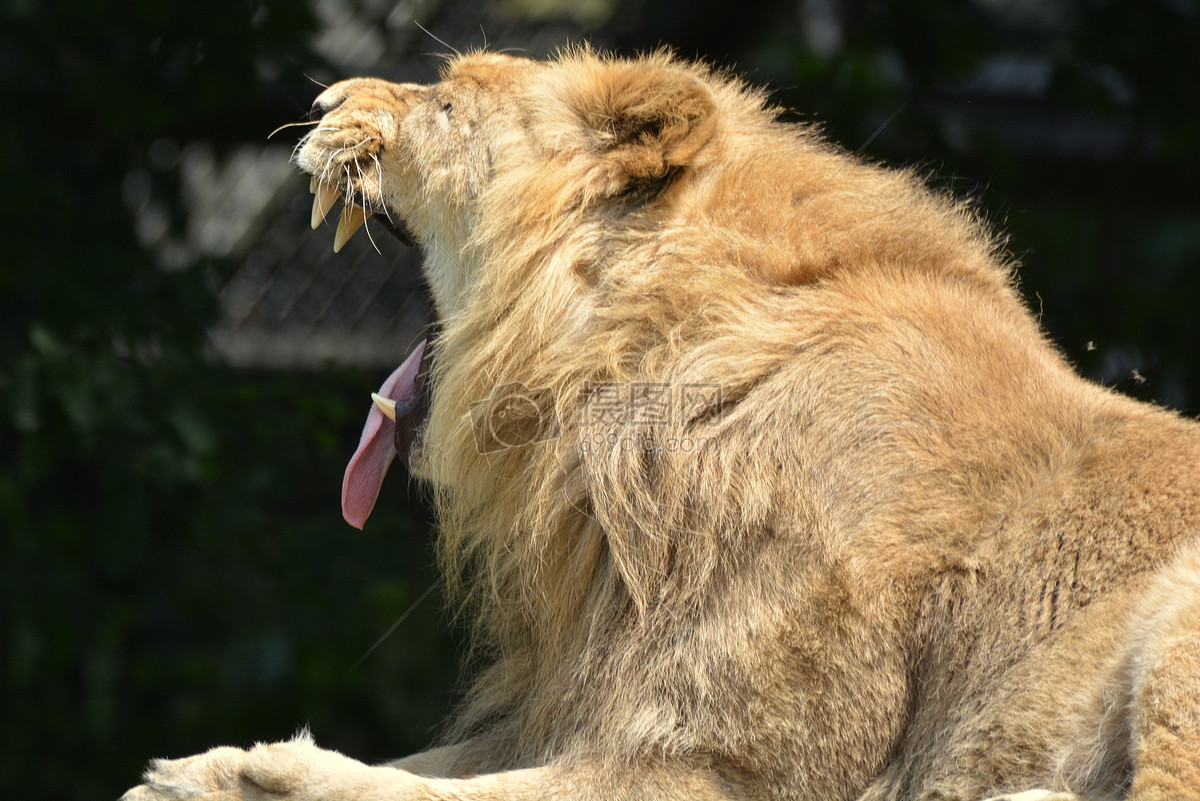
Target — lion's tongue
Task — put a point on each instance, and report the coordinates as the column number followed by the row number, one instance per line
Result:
column 377, row 447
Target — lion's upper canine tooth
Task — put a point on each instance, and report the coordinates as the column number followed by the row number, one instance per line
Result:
column 351, row 220
column 386, row 405
column 326, row 196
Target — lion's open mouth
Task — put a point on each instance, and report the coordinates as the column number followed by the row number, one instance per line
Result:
column 400, row 406
column 355, row 213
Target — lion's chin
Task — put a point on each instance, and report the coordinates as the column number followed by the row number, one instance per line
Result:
column 398, row 227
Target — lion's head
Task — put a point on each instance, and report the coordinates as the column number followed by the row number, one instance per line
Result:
column 430, row 159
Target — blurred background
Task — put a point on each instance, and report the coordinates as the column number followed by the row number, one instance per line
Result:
column 184, row 366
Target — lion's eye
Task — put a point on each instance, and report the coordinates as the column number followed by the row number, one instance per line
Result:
column 447, row 107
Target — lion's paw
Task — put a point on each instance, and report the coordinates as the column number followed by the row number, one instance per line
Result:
column 296, row 769
column 215, row 774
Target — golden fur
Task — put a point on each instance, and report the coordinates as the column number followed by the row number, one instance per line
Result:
column 884, row 544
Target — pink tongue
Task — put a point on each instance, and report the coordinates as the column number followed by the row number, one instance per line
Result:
column 377, row 448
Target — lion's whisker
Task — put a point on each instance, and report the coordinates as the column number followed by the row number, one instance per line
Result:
column 367, row 211
column 382, row 201
column 391, row 629
column 453, row 50
column 292, row 125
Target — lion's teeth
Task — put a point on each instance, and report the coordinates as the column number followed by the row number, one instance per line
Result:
column 386, row 405
column 351, row 220
column 326, row 196
column 312, row 185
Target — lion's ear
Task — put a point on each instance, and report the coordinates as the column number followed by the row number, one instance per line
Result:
column 646, row 120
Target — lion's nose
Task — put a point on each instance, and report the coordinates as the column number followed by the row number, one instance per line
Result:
column 331, row 98
column 324, row 104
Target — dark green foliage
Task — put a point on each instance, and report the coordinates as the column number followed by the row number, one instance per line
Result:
column 174, row 571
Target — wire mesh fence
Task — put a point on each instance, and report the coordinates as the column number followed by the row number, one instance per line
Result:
column 292, row 302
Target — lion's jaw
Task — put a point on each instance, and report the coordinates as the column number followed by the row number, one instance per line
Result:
column 413, row 158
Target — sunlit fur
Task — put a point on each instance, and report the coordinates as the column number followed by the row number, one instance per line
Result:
column 915, row 556
column 903, row 473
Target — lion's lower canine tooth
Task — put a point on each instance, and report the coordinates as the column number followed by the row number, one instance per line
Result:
column 351, row 220
column 323, row 202
column 386, row 405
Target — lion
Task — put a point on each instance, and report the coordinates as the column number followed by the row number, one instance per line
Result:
column 753, row 471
